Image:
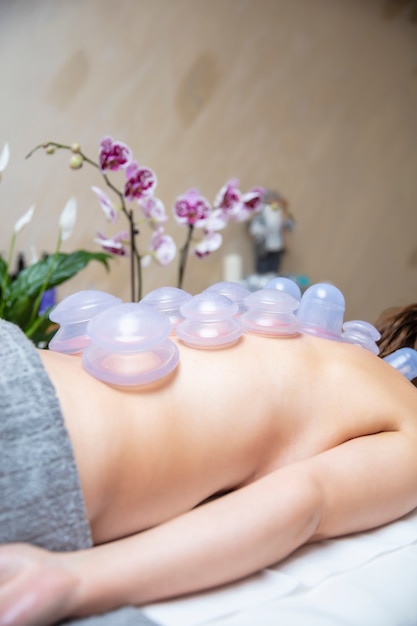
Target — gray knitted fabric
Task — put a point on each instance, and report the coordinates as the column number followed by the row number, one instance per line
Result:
column 40, row 497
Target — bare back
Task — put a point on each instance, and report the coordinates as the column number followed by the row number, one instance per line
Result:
column 223, row 419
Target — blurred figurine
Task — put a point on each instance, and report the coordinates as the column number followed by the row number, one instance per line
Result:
column 268, row 230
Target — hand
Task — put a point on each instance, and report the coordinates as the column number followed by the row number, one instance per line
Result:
column 36, row 588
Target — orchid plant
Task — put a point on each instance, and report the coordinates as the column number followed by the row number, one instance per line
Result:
column 22, row 293
column 135, row 199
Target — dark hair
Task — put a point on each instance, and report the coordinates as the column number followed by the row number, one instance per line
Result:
column 398, row 328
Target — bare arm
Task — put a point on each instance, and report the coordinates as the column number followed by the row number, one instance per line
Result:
column 361, row 484
column 221, row 541
column 218, row 542
column 366, row 482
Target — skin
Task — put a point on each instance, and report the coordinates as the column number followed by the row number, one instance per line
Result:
column 227, row 466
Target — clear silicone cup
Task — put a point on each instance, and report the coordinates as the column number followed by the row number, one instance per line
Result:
column 70, row 339
column 234, row 291
column 405, row 361
column 73, row 314
column 130, row 346
column 281, row 283
column 208, row 306
column 270, row 312
column 321, row 311
column 81, row 306
column 131, row 369
column 209, row 321
column 168, row 300
column 210, row 334
column 129, row 327
column 362, row 334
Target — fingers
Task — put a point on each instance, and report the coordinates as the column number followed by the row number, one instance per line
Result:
column 34, row 589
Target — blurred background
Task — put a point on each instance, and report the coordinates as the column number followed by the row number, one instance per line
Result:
column 316, row 99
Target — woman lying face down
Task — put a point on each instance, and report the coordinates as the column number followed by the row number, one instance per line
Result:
column 227, row 466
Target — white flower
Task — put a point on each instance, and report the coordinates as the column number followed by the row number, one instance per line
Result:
column 67, row 219
column 25, row 219
column 4, row 158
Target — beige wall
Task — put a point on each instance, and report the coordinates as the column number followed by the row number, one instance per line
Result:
column 314, row 98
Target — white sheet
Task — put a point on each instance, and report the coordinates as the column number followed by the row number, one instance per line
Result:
column 369, row 578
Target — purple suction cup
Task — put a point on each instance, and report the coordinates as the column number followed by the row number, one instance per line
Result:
column 234, row 291
column 130, row 346
column 321, row 311
column 209, row 321
column 281, row 283
column 73, row 315
column 405, row 361
column 270, row 312
column 168, row 300
column 361, row 334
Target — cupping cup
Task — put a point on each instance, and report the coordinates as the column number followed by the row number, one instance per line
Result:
column 209, row 321
column 361, row 334
column 281, row 283
column 73, row 315
column 130, row 346
column 234, row 291
column 321, row 311
column 168, row 300
column 405, row 361
column 270, row 312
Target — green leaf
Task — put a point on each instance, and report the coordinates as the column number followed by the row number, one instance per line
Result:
column 3, row 266
column 19, row 311
column 21, row 299
column 41, row 330
column 60, row 268
column 4, row 284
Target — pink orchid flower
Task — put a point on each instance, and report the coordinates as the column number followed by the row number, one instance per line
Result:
column 253, row 202
column 229, row 198
column 210, row 242
column 107, row 205
column 192, row 209
column 217, row 220
column 153, row 209
column 141, row 181
column 115, row 245
column 113, row 155
column 162, row 248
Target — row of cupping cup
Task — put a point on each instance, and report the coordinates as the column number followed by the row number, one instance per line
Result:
column 128, row 344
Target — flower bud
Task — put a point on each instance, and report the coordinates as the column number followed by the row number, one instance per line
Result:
column 50, row 149
column 76, row 148
column 67, row 218
column 4, row 157
column 25, row 219
column 76, row 162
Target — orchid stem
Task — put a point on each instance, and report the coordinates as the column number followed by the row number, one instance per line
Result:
column 184, row 255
